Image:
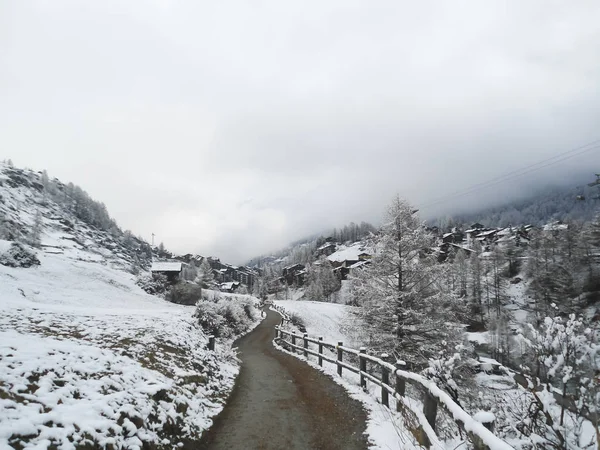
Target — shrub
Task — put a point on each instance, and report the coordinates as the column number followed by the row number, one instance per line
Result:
column 226, row 317
column 210, row 318
column 18, row 255
column 184, row 293
column 153, row 285
column 298, row 322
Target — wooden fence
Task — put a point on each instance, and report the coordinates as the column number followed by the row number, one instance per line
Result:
column 393, row 380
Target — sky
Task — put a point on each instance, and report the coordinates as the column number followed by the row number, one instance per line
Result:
column 231, row 128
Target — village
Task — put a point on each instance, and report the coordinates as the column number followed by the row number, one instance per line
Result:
column 343, row 258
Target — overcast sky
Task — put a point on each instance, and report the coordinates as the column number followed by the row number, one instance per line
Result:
column 233, row 127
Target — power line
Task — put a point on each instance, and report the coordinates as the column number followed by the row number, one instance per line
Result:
column 594, row 145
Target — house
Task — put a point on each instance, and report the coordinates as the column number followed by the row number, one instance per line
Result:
column 326, row 249
column 294, row 274
column 171, row 269
column 555, row 227
column 230, row 286
column 454, row 237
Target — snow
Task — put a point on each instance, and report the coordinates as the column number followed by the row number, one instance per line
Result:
column 322, row 319
column 87, row 356
column 482, row 337
column 112, row 347
column 161, row 266
column 484, row 417
column 350, row 253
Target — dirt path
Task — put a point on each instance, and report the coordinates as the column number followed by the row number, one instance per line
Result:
column 280, row 402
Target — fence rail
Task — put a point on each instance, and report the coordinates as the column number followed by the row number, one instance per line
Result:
column 393, row 381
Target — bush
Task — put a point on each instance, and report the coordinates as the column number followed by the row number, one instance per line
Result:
column 184, row 293
column 153, row 285
column 226, row 317
column 18, row 255
column 298, row 322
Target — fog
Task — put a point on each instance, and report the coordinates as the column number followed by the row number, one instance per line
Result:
column 232, row 128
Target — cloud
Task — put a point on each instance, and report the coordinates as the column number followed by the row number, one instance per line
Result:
column 230, row 128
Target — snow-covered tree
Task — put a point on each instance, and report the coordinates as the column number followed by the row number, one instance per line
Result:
column 566, row 355
column 321, row 282
column 476, row 287
column 205, row 275
column 402, row 301
column 35, row 235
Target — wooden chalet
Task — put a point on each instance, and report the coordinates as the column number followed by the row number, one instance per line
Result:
column 173, row 270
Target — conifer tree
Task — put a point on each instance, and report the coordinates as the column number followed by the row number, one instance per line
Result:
column 400, row 292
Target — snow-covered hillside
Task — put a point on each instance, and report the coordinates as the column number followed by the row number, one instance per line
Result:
column 86, row 357
column 328, row 320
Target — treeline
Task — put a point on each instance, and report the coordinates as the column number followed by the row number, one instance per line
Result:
column 570, row 204
column 352, row 232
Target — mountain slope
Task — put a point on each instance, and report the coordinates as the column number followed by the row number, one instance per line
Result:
column 87, row 359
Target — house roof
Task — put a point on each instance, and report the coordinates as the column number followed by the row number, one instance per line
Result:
column 359, row 264
column 327, row 245
column 163, row 266
column 556, row 226
column 348, row 254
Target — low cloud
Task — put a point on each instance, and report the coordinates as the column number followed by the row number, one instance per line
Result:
column 232, row 129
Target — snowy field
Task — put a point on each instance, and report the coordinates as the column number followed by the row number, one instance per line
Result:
column 329, row 320
column 87, row 357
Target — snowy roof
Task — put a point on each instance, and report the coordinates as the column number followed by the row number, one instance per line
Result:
column 358, row 264
column 328, row 244
column 462, row 248
column 351, row 253
column 555, row 226
column 487, row 233
column 166, row 266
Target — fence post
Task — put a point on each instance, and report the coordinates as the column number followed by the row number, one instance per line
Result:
column 430, row 405
column 340, row 355
column 305, row 346
column 320, row 350
column 293, row 343
column 400, row 387
column 385, row 380
column 211, row 343
column 363, row 367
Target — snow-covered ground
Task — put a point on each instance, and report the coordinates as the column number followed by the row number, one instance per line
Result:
column 86, row 355
column 87, row 358
column 328, row 320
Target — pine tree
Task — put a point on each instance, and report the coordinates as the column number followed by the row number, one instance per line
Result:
column 400, row 292
column 476, row 272
column 35, row 235
column 206, row 277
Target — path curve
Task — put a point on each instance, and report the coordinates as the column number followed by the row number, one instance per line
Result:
column 280, row 402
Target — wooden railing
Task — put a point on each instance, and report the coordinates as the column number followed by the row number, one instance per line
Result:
column 393, row 379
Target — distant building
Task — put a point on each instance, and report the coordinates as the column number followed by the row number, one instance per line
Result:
column 294, row 274
column 171, row 269
column 326, row 249
column 229, row 287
